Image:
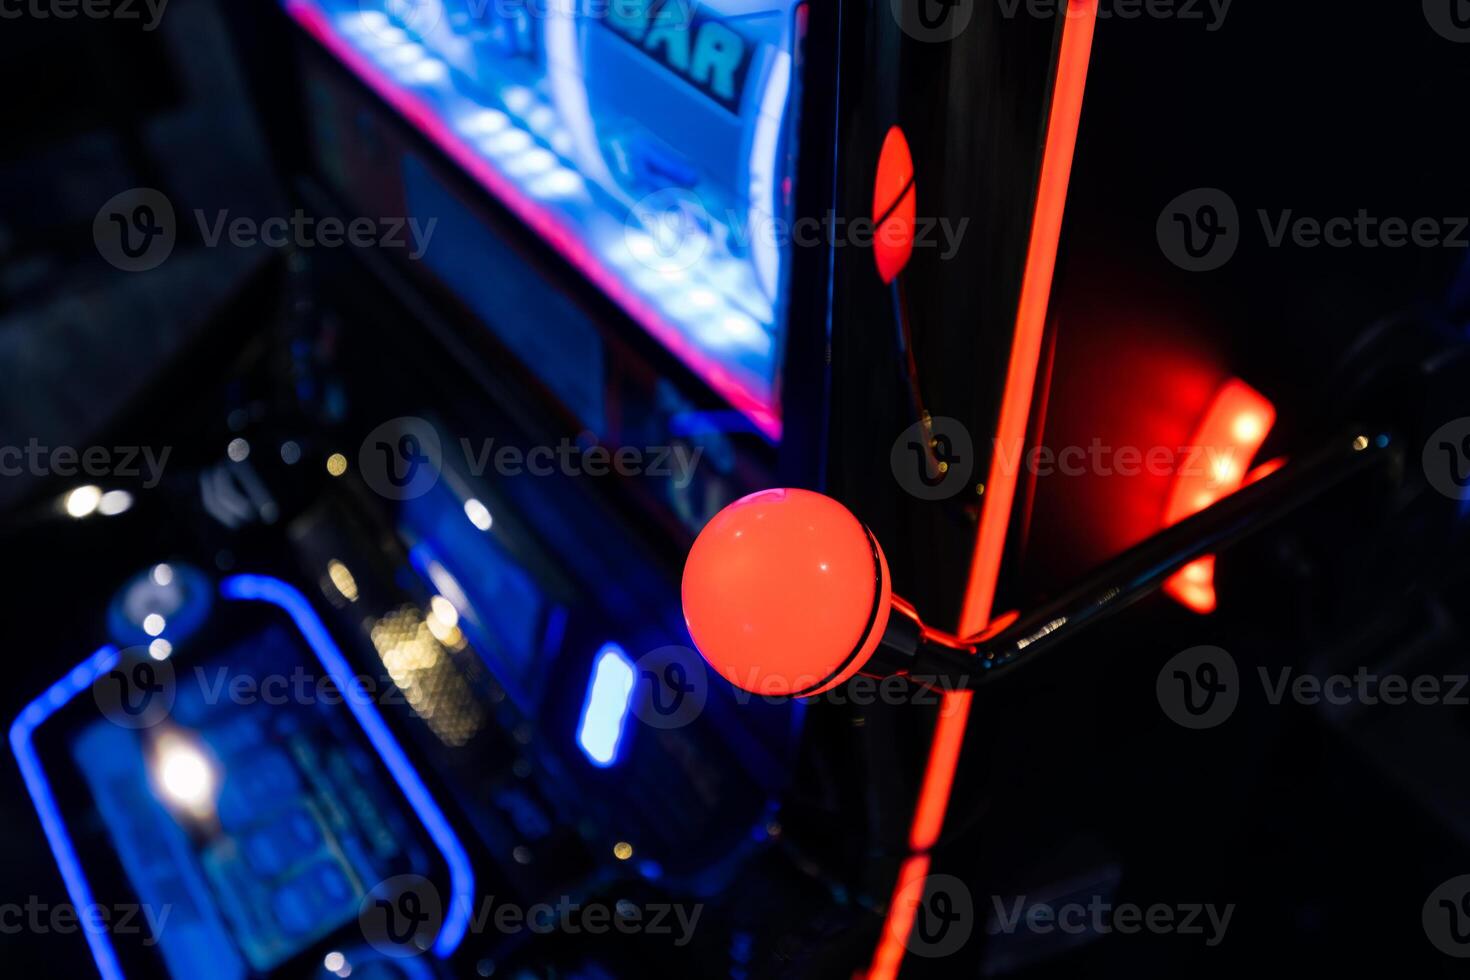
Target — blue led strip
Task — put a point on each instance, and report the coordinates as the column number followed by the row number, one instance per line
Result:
column 605, row 708
column 263, row 588
column 51, row 701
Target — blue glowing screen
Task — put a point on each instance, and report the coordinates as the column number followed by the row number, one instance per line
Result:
column 651, row 142
column 251, row 821
column 291, row 826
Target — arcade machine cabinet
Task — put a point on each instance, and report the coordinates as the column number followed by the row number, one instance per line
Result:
column 682, row 229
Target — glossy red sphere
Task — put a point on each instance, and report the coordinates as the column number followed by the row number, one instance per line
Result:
column 786, row 593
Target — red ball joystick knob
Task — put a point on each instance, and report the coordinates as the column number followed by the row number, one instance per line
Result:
column 786, row 593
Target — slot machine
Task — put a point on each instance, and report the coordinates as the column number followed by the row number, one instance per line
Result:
column 394, row 676
column 406, row 640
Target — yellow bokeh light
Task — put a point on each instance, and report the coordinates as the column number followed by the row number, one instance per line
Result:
column 342, row 579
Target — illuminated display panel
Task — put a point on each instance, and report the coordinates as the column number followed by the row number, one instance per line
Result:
column 648, row 141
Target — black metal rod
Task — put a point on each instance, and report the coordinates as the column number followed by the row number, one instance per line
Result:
column 1143, row 569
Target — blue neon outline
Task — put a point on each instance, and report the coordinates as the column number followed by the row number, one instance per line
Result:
column 615, row 651
column 52, row 700
column 264, row 588
column 260, row 588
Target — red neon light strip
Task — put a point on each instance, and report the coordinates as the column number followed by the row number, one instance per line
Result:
column 551, row 228
column 901, row 910
column 1041, row 260
column 1000, row 489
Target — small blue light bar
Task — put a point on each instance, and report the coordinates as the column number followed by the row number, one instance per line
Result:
column 605, row 711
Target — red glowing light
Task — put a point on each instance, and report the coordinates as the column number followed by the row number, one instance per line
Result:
column 786, row 593
column 1228, row 438
column 894, row 206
